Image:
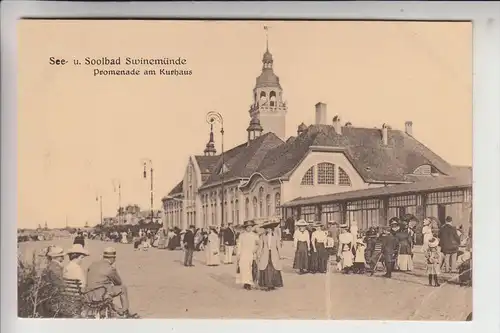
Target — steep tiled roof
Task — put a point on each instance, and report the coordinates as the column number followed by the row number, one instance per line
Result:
column 207, row 163
column 243, row 160
column 363, row 147
column 439, row 183
column 177, row 189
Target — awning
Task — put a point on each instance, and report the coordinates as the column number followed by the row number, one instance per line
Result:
column 435, row 184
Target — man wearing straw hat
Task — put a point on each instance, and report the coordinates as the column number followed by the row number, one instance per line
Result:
column 103, row 273
column 73, row 270
column 54, row 270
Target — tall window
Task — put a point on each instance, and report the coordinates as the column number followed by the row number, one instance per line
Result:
column 255, row 207
column 261, row 199
column 344, row 179
column 237, row 209
column 247, row 208
column 277, row 204
column 308, row 178
column 232, row 210
column 326, row 173
column 225, row 212
column 268, row 205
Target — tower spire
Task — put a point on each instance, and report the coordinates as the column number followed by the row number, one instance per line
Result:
column 266, row 28
column 210, row 147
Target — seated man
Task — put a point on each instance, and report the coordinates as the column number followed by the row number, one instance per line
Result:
column 103, row 273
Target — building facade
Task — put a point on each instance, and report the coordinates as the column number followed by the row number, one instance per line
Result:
column 256, row 178
column 438, row 198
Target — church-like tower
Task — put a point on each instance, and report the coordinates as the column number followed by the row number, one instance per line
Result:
column 210, row 147
column 268, row 105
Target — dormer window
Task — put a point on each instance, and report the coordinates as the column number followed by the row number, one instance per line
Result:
column 426, row 170
column 223, row 169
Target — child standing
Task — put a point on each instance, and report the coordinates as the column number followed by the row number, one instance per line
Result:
column 359, row 259
column 346, row 258
column 433, row 258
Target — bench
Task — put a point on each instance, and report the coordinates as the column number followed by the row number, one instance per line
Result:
column 77, row 304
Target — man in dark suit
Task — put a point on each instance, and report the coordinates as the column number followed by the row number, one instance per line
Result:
column 449, row 241
column 229, row 238
column 389, row 247
column 189, row 246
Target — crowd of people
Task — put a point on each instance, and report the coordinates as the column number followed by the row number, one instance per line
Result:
column 446, row 248
column 257, row 248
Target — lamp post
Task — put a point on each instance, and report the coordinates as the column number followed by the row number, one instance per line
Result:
column 145, row 175
column 98, row 198
column 119, row 190
column 213, row 117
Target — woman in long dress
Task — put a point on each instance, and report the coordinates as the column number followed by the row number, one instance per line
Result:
column 404, row 261
column 345, row 249
column 245, row 254
column 302, row 246
column 270, row 276
column 162, row 239
column 212, row 248
column 319, row 253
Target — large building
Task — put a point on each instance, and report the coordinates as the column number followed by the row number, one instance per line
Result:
column 265, row 176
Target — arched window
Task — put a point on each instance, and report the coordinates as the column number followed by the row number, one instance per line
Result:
column 344, row 179
column 308, row 178
column 247, row 208
column 261, row 203
column 272, row 98
column 268, row 205
column 277, row 204
column 255, row 207
column 326, row 173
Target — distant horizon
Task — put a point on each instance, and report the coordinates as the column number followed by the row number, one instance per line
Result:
column 81, row 136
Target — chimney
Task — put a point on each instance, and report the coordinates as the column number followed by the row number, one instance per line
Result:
column 320, row 113
column 337, row 125
column 385, row 134
column 409, row 127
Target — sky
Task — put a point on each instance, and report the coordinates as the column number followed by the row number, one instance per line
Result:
column 79, row 136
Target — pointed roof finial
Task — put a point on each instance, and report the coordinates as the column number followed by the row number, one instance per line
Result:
column 266, row 28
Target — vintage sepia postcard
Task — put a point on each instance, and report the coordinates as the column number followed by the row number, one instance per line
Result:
column 211, row 169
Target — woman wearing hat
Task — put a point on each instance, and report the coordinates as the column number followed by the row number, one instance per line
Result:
column 426, row 233
column 405, row 241
column 245, row 254
column 73, row 270
column 212, row 248
column 319, row 253
column 345, row 254
column 269, row 258
column 302, row 245
column 433, row 258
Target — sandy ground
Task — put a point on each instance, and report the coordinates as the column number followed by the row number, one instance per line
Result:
column 161, row 287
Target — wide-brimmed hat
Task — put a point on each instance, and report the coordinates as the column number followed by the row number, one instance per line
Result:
column 55, row 251
column 301, row 223
column 249, row 223
column 269, row 225
column 109, row 252
column 344, row 226
column 78, row 248
column 427, row 221
column 433, row 242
